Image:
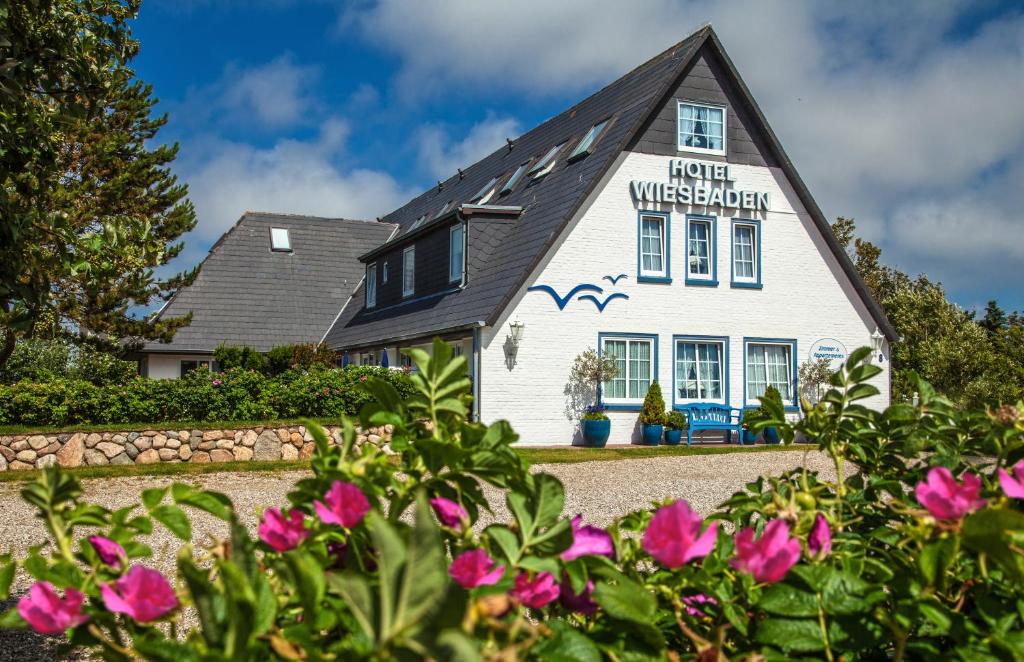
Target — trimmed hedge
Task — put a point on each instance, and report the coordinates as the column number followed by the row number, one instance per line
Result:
column 232, row 395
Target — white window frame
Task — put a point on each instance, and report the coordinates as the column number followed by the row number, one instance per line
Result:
column 754, row 253
column 583, row 147
column 280, row 240
column 384, row 272
column 456, row 271
column 663, row 224
column 507, row 187
column 409, row 271
column 627, row 373
column 418, row 222
column 547, row 162
column 371, row 285
column 723, row 367
column 485, row 193
column 683, row 147
column 788, row 396
column 690, row 274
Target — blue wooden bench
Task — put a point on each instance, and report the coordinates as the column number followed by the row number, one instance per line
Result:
column 706, row 416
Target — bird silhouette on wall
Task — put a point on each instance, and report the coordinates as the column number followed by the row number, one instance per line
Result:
column 601, row 304
column 561, row 301
column 614, row 280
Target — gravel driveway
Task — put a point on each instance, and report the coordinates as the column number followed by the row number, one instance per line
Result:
column 600, row 491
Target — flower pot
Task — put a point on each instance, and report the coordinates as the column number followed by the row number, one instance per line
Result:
column 673, row 437
column 651, row 434
column 771, row 435
column 749, row 437
column 595, row 433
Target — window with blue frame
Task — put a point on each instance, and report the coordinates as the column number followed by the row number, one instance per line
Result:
column 635, row 360
column 700, row 251
column 409, row 271
column 700, row 370
column 746, row 253
column 653, row 247
column 371, row 285
column 769, row 363
column 456, row 252
column 701, row 128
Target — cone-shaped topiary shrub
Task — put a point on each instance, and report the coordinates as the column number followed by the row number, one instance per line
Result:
column 653, row 412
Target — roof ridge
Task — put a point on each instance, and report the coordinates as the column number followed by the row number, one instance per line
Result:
column 253, row 212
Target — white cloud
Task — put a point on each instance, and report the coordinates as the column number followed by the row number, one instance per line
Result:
column 440, row 157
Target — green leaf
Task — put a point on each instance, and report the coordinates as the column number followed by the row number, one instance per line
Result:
column 205, row 598
column 566, row 645
column 309, row 580
column 11, row 620
column 936, row 558
column 548, row 500
column 7, row 571
column 626, row 600
column 424, row 578
column 175, row 520
column 354, row 590
column 215, row 503
column 787, row 634
column 505, row 539
column 988, row 531
column 152, row 497
column 786, row 600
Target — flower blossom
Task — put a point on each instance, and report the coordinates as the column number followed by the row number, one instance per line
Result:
column 280, row 532
column 692, row 604
column 475, row 568
column 449, row 513
column 143, row 593
column 674, row 538
column 346, row 505
column 109, row 551
column 819, row 540
column 578, row 602
column 588, row 540
column 537, row 592
column 1013, row 485
column 945, row 498
column 48, row 613
column 769, row 558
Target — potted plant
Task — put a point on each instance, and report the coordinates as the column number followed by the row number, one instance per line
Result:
column 652, row 416
column 675, row 424
column 589, row 371
column 749, row 436
column 596, row 427
column 771, row 435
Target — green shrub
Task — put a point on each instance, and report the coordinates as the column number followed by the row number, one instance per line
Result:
column 676, row 420
column 653, row 411
column 595, row 413
column 300, row 355
column 245, row 357
column 40, row 360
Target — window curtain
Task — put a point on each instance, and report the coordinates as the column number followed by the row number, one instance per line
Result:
column 639, row 369
column 616, row 388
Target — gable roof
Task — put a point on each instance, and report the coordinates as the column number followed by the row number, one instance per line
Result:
column 504, row 255
column 246, row 294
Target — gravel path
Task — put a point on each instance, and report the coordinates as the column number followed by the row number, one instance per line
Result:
column 600, row 491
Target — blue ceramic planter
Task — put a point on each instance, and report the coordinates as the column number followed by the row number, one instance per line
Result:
column 595, row 433
column 651, row 434
column 749, row 437
column 673, row 437
column 771, row 435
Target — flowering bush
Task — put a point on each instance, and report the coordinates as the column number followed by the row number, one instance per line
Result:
column 913, row 554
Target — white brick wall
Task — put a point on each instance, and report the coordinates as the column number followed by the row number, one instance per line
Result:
column 805, row 297
column 168, row 366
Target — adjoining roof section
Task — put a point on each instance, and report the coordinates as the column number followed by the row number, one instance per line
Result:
column 248, row 294
column 512, row 251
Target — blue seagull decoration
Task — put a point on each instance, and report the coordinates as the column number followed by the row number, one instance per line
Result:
column 614, row 280
column 601, row 304
column 562, row 301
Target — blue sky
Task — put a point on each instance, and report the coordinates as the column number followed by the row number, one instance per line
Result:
column 908, row 116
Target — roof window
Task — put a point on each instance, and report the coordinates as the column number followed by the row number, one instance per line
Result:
column 279, row 240
column 546, row 163
column 418, row 222
column 447, row 206
column 485, row 193
column 514, row 179
column 586, row 146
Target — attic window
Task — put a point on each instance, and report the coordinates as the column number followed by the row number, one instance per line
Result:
column 701, row 128
column 514, row 179
column 485, row 193
column 545, row 165
column 586, row 146
column 279, row 240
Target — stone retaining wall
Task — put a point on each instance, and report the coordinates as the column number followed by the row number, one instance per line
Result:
column 149, row 446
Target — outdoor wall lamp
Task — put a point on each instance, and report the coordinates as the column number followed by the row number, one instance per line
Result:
column 512, row 341
column 876, row 345
column 517, row 329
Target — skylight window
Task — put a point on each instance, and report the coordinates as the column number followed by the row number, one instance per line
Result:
column 514, row 179
column 418, row 222
column 279, row 240
column 447, row 206
column 586, row 145
column 485, row 193
column 545, row 165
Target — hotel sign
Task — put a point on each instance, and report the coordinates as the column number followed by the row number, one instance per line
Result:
column 699, row 183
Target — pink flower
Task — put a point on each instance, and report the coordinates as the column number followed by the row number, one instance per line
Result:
column 346, row 505
column 673, row 537
column 216, row 382
column 693, row 602
column 143, row 594
column 280, row 532
column 449, row 513
column 47, row 612
column 578, row 602
column 819, row 541
column 475, row 568
column 1013, row 485
column 109, row 551
column 945, row 498
column 588, row 541
column 771, row 557
column 537, row 592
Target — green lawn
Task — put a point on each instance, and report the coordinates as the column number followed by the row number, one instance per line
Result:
column 543, row 455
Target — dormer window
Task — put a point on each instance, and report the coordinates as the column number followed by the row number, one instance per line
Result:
column 371, row 286
column 546, row 163
column 586, row 146
column 514, row 179
column 701, row 128
column 484, row 194
column 279, row 240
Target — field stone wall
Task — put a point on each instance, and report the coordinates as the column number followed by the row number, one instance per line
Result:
column 149, row 446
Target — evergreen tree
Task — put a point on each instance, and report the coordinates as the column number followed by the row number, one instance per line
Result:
column 89, row 210
column 995, row 317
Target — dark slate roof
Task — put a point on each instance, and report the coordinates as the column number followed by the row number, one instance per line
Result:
column 246, row 294
column 504, row 254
